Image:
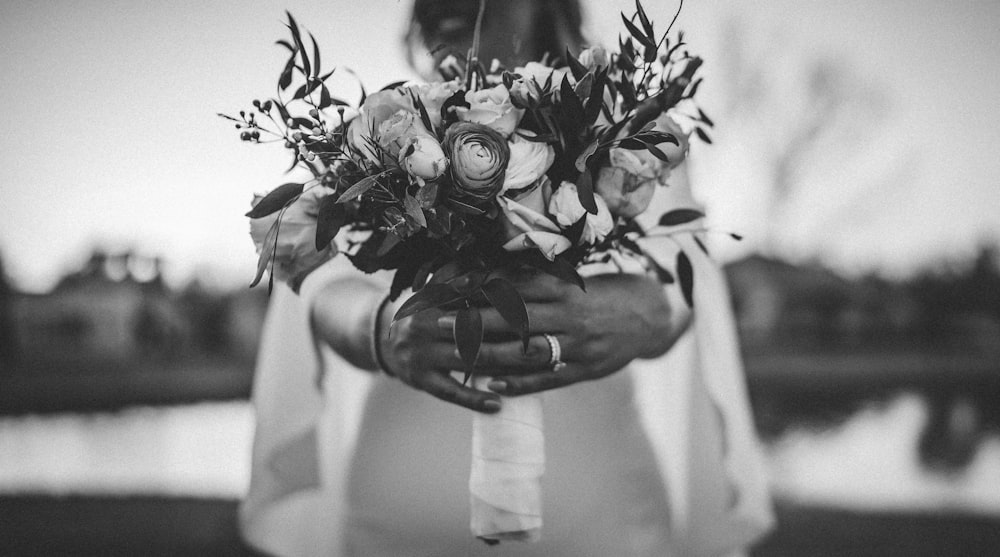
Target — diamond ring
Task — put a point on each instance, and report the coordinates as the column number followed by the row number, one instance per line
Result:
column 555, row 360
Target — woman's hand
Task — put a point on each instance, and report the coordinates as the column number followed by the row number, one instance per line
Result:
column 422, row 355
column 619, row 318
column 415, row 350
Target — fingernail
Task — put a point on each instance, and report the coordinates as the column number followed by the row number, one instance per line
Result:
column 497, row 386
column 491, row 405
column 446, row 322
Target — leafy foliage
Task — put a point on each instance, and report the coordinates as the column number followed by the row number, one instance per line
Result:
column 369, row 200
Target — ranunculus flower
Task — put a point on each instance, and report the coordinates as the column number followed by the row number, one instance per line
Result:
column 526, row 225
column 566, row 208
column 479, row 157
column 295, row 254
column 529, row 161
column 492, row 107
column 433, row 96
column 628, row 183
column 594, row 57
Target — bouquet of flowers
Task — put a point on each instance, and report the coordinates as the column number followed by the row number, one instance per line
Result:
column 491, row 168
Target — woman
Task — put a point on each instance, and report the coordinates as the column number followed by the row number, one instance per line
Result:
column 656, row 458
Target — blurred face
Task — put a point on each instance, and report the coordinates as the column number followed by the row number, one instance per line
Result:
column 507, row 28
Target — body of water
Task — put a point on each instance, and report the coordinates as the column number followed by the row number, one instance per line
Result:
column 868, row 463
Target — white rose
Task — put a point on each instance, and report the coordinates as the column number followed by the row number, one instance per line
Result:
column 540, row 72
column 566, row 208
column 528, row 228
column 594, row 57
column 492, row 108
column 529, row 161
column 433, row 95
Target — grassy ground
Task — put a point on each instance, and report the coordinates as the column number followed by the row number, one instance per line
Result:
column 156, row 526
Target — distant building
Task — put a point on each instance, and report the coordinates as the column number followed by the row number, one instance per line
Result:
column 116, row 308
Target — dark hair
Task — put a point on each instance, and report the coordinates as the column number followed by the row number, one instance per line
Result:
column 555, row 25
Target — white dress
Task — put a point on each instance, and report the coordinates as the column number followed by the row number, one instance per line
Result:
column 658, row 459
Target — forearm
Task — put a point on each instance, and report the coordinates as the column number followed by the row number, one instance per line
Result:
column 343, row 316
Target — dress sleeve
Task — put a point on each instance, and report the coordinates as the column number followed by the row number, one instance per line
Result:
column 305, row 402
column 700, row 423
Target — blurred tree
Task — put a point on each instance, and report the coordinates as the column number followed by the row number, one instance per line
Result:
column 8, row 344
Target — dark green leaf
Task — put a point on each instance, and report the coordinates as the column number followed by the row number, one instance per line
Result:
column 390, row 241
column 286, row 75
column 316, row 69
column 735, row 236
column 701, row 245
column 461, row 207
column 581, row 161
column 285, row 44
column 300, row 46
column 330, row 218
column 358, row 189
column 414, row 211
column 704, row 136
column 468, row 332
column 584, row 86
column 631, row 144
column 656, row 152
column 559, row 268
column 430, row 296
column 661, row 273
column 685, row 273
column 585, row 191
column 508, row 302
column 644, row 20
column 680, row 216
column 325, row 99
column 572, row 107
column 267, row 250
column 639, row 36
column 704, row 118
column 694, row 87
column 275, row 200
column 578, row 69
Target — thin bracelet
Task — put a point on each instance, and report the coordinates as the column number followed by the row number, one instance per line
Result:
column 376, row 351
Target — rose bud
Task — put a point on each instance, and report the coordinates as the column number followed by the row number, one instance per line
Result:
column 628, row 183
column 479, row 157
column 423, row 159
column 566, row 208
column 491, row 107
column 525, row 92
column 529, row 161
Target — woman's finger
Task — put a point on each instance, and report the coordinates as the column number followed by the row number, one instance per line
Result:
column 443, row 386
column 510, row 358
column 542, row 318
column 514, row 385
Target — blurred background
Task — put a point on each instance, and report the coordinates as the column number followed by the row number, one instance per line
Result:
column 853, row 151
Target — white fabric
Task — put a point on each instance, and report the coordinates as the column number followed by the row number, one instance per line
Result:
column 692, row 403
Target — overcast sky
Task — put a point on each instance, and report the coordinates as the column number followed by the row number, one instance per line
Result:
column 111, row 136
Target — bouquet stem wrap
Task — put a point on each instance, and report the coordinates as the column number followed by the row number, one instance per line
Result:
column 508, row 459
